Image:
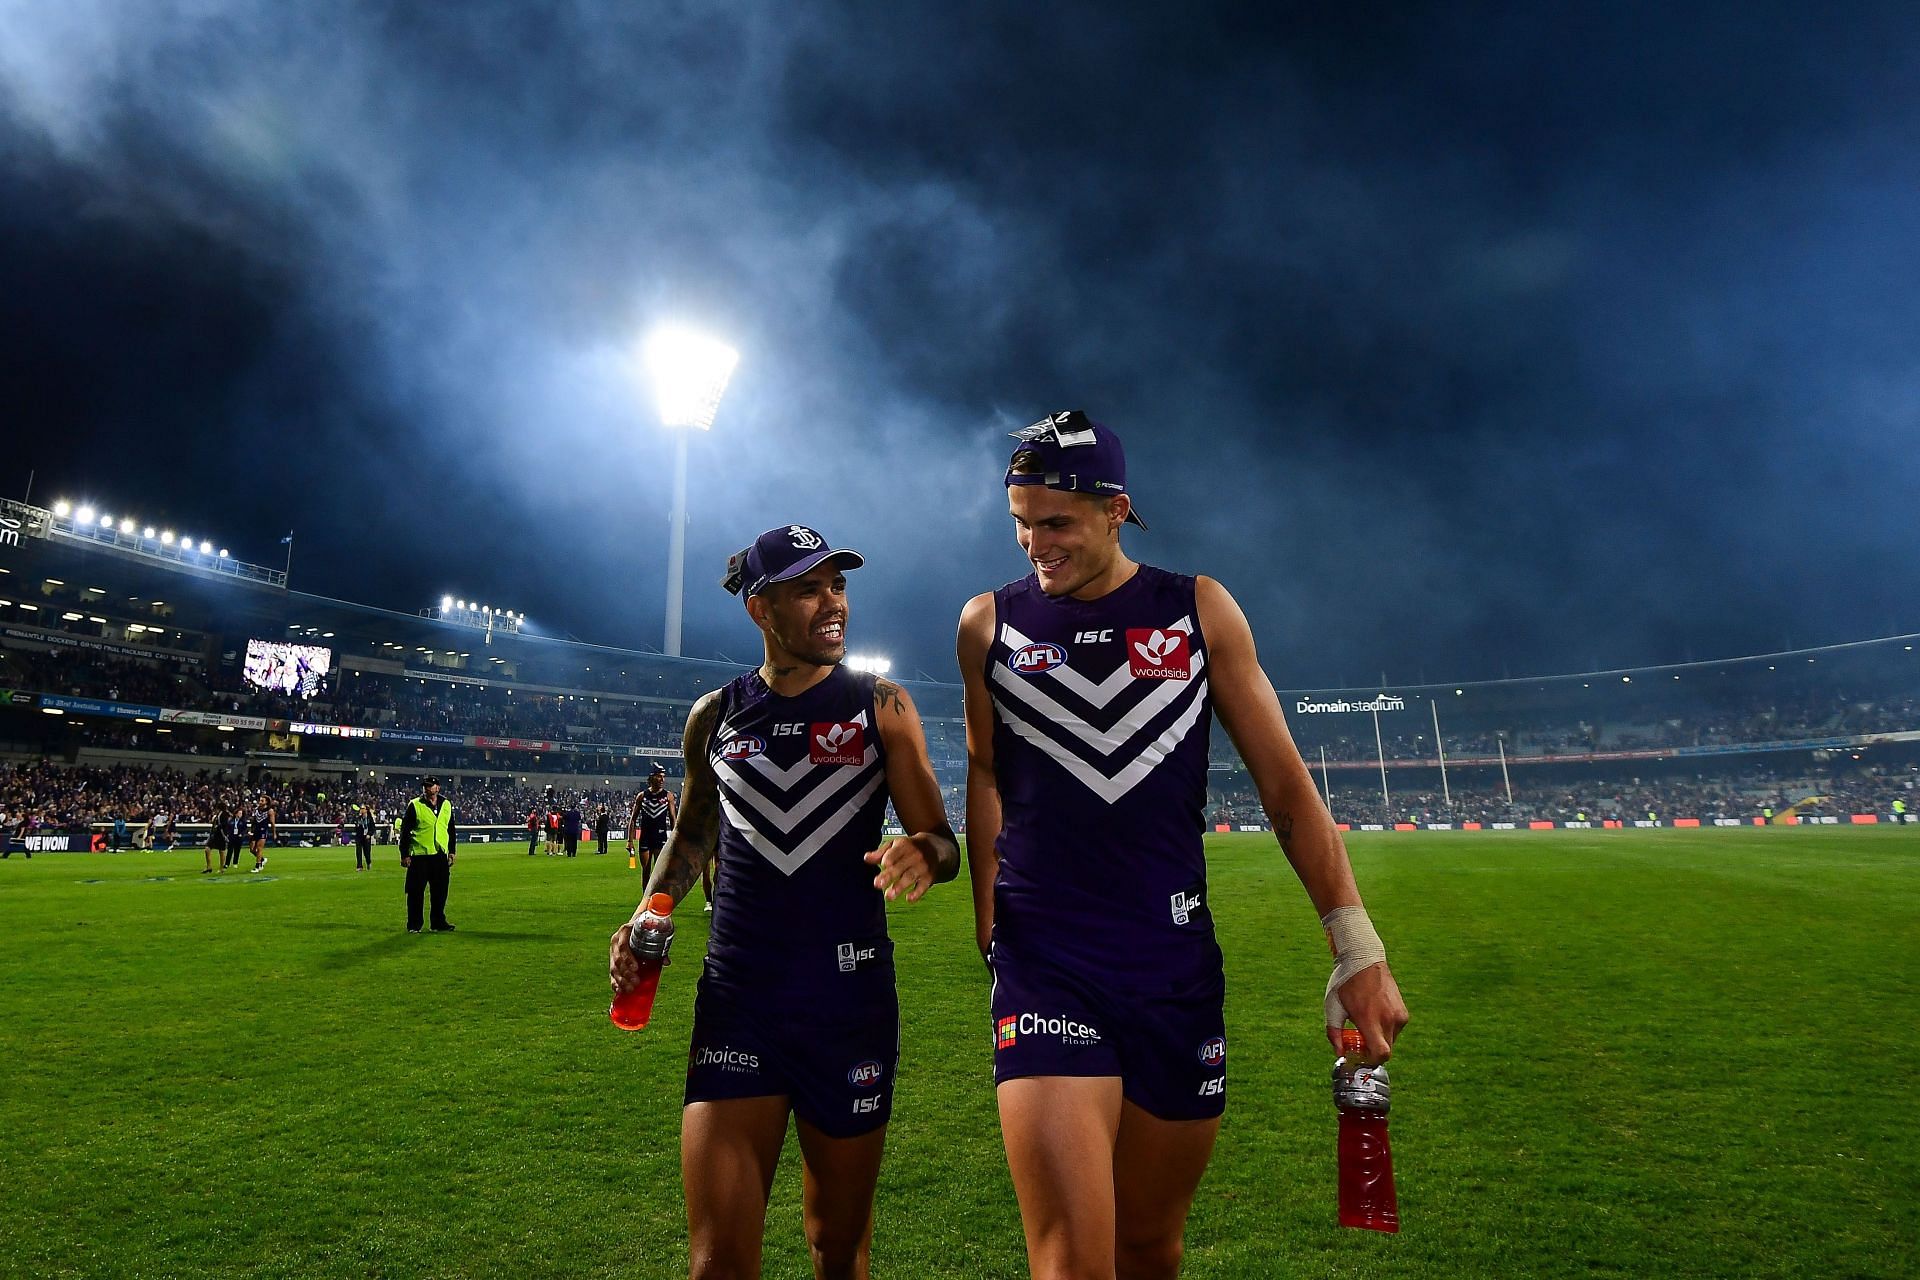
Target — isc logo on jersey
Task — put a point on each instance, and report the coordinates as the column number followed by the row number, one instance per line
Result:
column 832, row 743
column 1032, row 659
column 743, row 747
column 1153, row 654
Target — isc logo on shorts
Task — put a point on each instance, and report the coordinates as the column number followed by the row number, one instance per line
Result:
column 866, row 1075
column 851, row 955
column 1153, row 654
column 868, row 1106
column 1032, row 659
column 1184, row 904
column 1213, row 1052
column 743, row 747
column 830, row 742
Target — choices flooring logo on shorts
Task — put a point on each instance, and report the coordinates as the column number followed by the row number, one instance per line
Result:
column 726, row 1059
column 1008, row 1030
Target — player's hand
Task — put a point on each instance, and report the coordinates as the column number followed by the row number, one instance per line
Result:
column 623, row 967
column 450, row 857
column 905, row 869
column 406, row 859
column 1373, row 1004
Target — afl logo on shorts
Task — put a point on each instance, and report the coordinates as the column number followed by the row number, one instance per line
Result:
column 1032, row 659
column 743, row 747
column 1153, row 654
column 1214, row 1052
column 866, row 1075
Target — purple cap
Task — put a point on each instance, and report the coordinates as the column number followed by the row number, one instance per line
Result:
column 780, row 554
column 1077, row 455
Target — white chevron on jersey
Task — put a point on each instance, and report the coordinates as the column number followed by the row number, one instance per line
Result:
column 790, row 862
column 1111, row 740
column 784, row 778
column 786, row 819
column 1111, row 789
column 1098, row 694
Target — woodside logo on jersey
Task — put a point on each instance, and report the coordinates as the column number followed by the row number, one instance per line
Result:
column 829, row 742
column 1153, row 654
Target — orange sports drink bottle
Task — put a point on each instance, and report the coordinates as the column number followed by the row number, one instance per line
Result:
column 1361, row 1095
column 649, row 939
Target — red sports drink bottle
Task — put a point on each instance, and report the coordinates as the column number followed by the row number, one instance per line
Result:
column 649, row 939
column 1361, row 1095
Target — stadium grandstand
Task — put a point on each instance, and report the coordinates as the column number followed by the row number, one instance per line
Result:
column 145, row 675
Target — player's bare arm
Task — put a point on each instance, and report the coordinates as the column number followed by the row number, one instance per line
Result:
column 691, row 843
column 983, row 792
column 909, row 865
column 1249, row 710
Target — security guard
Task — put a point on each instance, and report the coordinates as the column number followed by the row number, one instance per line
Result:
column 426, row 840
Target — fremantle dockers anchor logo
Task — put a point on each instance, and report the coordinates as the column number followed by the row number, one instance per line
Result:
column 805, row 539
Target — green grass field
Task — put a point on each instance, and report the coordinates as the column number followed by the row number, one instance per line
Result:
column 1632, row 1054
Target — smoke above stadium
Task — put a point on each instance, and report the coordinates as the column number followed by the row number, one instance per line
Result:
column 1455, row 343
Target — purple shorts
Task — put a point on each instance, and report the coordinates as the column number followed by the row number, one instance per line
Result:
column 1168, row 1047
column 837, row 1073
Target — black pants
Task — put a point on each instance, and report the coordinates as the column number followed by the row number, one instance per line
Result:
column 573, row 843
column 362, row 852
column 427, row 871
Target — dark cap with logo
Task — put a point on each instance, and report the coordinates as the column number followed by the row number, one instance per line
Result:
column 780, row 554
column 1076, row 455
column 429, row 781
column 658, row 770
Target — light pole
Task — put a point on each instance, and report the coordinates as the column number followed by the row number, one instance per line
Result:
column 689, row 372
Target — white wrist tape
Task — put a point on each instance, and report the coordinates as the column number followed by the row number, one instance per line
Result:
column 1355, row 947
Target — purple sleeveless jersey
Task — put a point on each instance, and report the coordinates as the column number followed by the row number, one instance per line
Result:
column 1101, row 720
column 803, row 789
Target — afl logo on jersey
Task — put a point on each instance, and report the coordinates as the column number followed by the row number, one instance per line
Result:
column 866, row 1075
column 1032, row 659
column 1213, row 1052
column 743, row 747
column 1153, row 654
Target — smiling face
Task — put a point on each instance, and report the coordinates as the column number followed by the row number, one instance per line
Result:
column 1071, row 539
column 804, row 619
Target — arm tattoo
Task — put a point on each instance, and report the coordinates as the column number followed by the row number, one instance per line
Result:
column 1283, row 828
column 696, row 831
column 886, row 695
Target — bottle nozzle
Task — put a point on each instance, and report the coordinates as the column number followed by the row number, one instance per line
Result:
column 661, row 904
column 1352, row 1043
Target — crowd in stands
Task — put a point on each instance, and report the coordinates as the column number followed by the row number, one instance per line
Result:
column 50, row 797
column 1746, row 795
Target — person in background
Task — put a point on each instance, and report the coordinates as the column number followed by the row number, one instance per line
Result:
column 427, row 850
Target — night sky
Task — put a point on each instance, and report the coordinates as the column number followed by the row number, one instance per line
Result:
column 1457, row 340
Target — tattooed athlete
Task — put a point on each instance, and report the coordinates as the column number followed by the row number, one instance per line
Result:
column 789, row 770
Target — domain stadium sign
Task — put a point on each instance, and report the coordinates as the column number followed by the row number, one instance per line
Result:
column 1385, row 702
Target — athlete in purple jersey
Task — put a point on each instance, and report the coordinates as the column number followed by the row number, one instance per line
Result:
column 1090, row 691
column 789, row 770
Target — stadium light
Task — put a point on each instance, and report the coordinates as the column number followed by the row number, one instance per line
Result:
column 869, row 662
column 106, row 521
column 446, row 603
column 126, row 524
column 689, row 372
column 147, row 532
column 84, row 515
column 62, row 507
column 206, row 548
column 166, row 537
column 223, row 553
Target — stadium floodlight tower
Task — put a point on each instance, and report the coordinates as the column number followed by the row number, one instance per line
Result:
column 689, row 372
